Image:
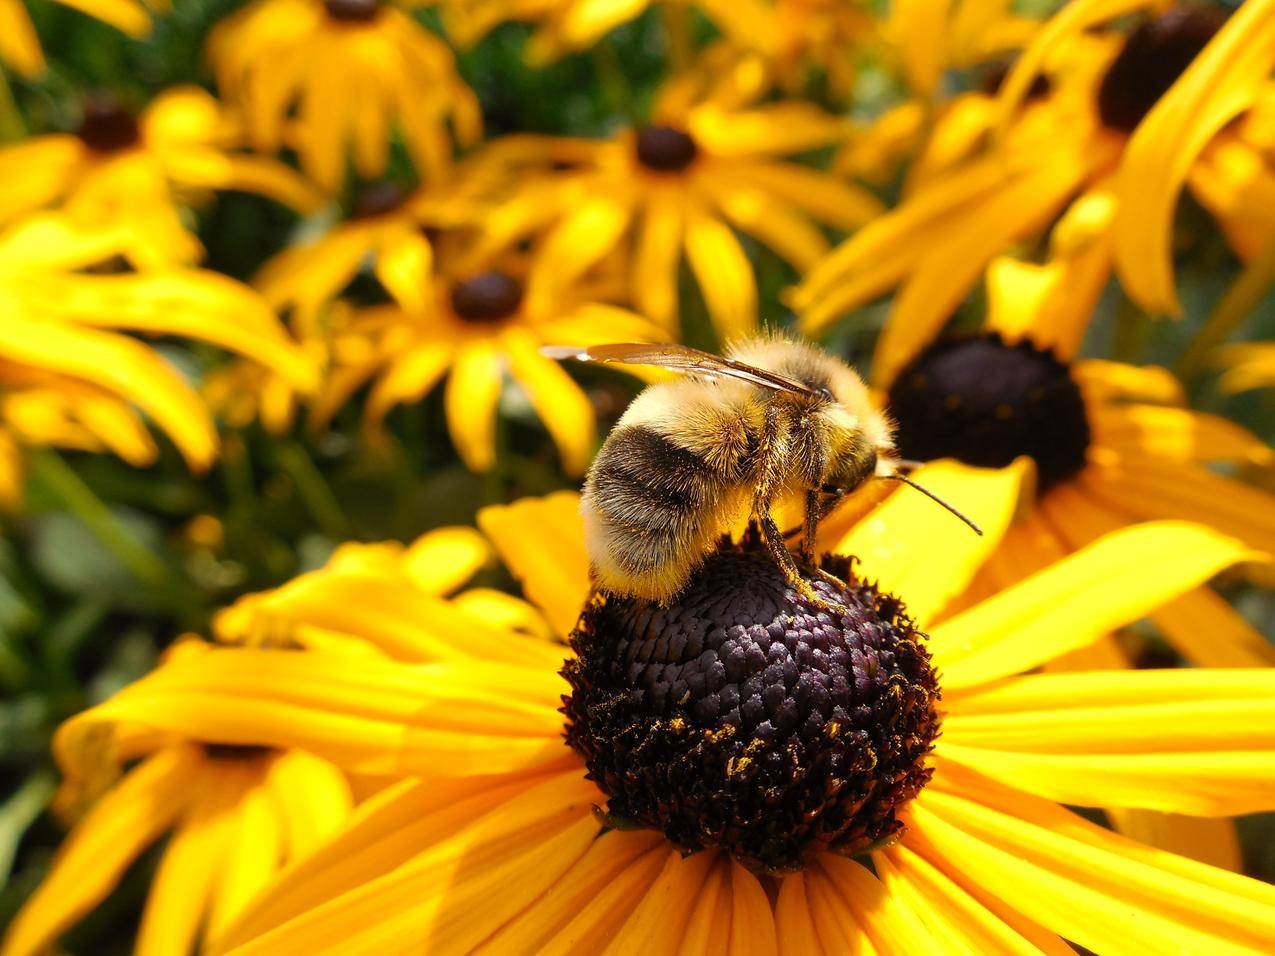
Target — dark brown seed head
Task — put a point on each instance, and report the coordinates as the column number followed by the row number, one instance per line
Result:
column 107, row 126
column 985, row 402
column 487, row 297
column 741, row 718
column 665, row 149
column 1153, row 57
column 352, row 11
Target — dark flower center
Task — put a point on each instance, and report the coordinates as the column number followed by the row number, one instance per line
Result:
column 106, row 126
column 486, row 297
column 352, row 11
column 665, row 149
column 1153, row 57
column 376, row 199
column 741, row 718
column 985, row 403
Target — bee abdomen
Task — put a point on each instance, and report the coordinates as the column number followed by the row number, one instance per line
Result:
column 649, row 500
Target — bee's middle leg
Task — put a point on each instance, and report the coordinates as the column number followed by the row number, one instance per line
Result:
column 815, row 510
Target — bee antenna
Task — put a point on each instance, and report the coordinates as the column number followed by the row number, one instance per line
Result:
column 933, row 497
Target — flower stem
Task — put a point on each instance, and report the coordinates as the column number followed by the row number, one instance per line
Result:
column 60, row 479
column 19, row 812
column 314, row 490
column 1241, row 299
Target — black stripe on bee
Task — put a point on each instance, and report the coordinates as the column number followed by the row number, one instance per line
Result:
column 650, row 490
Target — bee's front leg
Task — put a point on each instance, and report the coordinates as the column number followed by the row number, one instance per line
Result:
column 774, row 541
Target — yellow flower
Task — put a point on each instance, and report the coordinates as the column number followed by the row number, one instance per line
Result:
column 119, row 169
column 1113, row 444
column 234, row 817
column 371, row 600
column 473, row 327
column 20, row 47
column 324, row 76
column 68, row 377
column 498, row 846
column 388, row 229
column 678, row 186
column 1066, row 158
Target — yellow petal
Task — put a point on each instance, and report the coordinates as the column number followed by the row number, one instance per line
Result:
column 1112, row 582
column 470, row 400
column 1180, row 741
column 404, row 268
column 586, row 908
column 1222, row 81
column 312, row 799
column 528, row 530
column 1210, row 840
column 254, row 853
column 575, row 245
column 95, row 855
column 779, row 226
column 1083, row 882
column 1162, row 489
column 900, row 541
column 1177, row 434
column 559, row 401
column 497, row 866
column 440, row 561
column 655, row 264
column 724, row 274
column 19, row 46
column 127, row 15
column 386, row 830
column 364, row 714
column 194, row 857
column 659, row 920
column 1208, row 632
column 122, row 366
column 953, row 915
column 196, row 303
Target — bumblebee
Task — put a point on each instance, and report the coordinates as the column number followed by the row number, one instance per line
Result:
column 773, row 420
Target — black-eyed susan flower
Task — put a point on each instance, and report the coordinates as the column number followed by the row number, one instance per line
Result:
column 138, row 170
column 20, row 47
column 1113, row 444
column 70, row 377
column 233, row 817
column 324, row 77
column 676, row 188
column 387, row 229
column 369, row 600
column 726, row 759
column 474, row 328
column 1059, row 159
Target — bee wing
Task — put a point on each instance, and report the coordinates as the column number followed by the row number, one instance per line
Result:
column 680, row 358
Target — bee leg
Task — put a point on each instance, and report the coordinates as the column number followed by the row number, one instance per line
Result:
column 815, row 500
column 810, row 526
column 774, row 541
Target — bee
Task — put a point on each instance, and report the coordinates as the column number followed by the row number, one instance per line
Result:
column 772, row 421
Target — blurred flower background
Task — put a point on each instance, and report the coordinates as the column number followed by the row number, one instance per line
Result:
column 274, row 277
